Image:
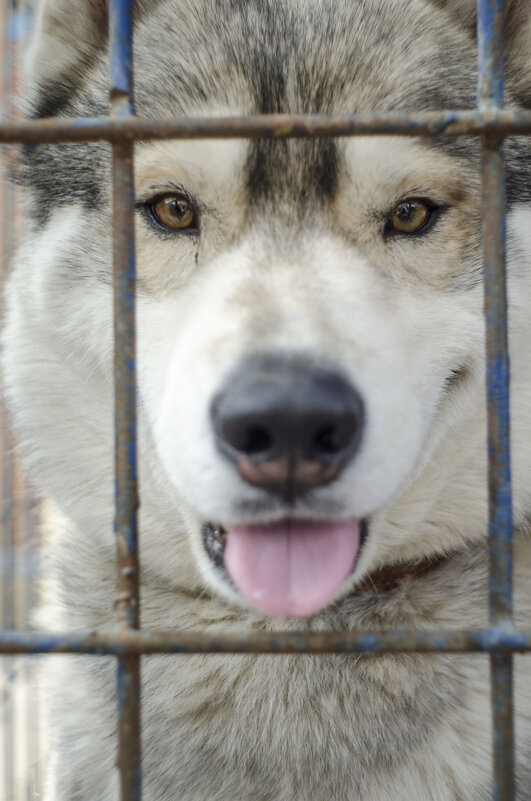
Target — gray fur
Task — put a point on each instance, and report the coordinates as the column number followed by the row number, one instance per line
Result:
column 277, row 67
column 291, row 256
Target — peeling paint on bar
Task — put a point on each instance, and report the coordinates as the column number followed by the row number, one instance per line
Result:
column 503, row 640
column 434, row 123
column 490, row 99
column 127, row 586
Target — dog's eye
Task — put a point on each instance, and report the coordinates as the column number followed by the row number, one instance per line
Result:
column 409, row 217
column 173, row 213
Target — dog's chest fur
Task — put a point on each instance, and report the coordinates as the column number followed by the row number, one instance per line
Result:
column 324, row 727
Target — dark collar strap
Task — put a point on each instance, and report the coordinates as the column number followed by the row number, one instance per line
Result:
column 390, row 577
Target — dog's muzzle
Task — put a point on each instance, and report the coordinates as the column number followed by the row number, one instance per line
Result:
column 286, row 425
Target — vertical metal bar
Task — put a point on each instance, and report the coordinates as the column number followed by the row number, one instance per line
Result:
column 501, row 667
column 490, row 96
column 127, row 598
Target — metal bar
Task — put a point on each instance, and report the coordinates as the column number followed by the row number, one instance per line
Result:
column 127, row 589
column 127, row 643
column 500, row 500
column 433, row 123
column 127, row 602
column 490, row 98
column 503, row 639
column 503, row 726
column 490, row 55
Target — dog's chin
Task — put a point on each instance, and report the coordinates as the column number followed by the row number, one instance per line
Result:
column 289, row 568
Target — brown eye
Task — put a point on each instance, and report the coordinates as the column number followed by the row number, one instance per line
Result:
column 173, row 212
column 409, row 216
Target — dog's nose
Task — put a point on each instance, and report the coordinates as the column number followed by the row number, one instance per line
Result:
column 286, row 424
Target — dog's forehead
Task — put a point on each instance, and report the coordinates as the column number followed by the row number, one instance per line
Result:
column 256, row 56
column 300, row 56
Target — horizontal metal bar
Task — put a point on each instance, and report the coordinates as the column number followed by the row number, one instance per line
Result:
column 433, row 123
column 502, row 639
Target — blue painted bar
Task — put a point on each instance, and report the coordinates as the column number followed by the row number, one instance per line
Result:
column 490, row 98
column 121, row 55
column 124, row 280
column 490, row 54
column 497, row 378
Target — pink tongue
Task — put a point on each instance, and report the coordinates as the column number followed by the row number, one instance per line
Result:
column 291, row 569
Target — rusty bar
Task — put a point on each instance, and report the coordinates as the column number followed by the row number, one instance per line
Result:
column 500, row 512
column 433, row 123
column 490, row 55
column 127, row 590
column 500, row 501
column 127, row 604
column 503, row 639
column 490, row 97
column 503, row 726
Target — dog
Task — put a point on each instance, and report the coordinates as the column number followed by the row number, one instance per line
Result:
column 312, row 424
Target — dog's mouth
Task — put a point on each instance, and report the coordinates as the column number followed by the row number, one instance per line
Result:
column 290, row 568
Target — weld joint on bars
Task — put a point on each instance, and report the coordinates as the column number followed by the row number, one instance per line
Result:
column 499, row 123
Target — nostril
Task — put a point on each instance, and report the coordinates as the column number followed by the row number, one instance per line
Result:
column 256, row 439
column 328, row 440
column 249, row 438
column 331, row 438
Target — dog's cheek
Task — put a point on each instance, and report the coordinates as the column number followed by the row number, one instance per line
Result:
column 398, row 418
column 186, row 342
column 415, row 351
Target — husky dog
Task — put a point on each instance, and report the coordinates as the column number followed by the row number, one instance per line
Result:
column 312, row 419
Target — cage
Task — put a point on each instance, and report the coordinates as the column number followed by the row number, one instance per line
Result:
column 19, row 552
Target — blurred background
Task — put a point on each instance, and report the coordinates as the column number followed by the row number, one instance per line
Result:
column 19, row 734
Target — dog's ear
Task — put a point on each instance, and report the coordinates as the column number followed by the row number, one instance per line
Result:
column 66, row 37
column 462, row 10
column 517, row 38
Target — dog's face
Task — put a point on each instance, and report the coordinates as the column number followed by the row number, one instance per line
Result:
column 309, row 312
column 308, row 351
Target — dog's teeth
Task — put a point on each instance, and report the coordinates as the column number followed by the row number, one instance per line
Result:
column 216, row 544
column 214, row 541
